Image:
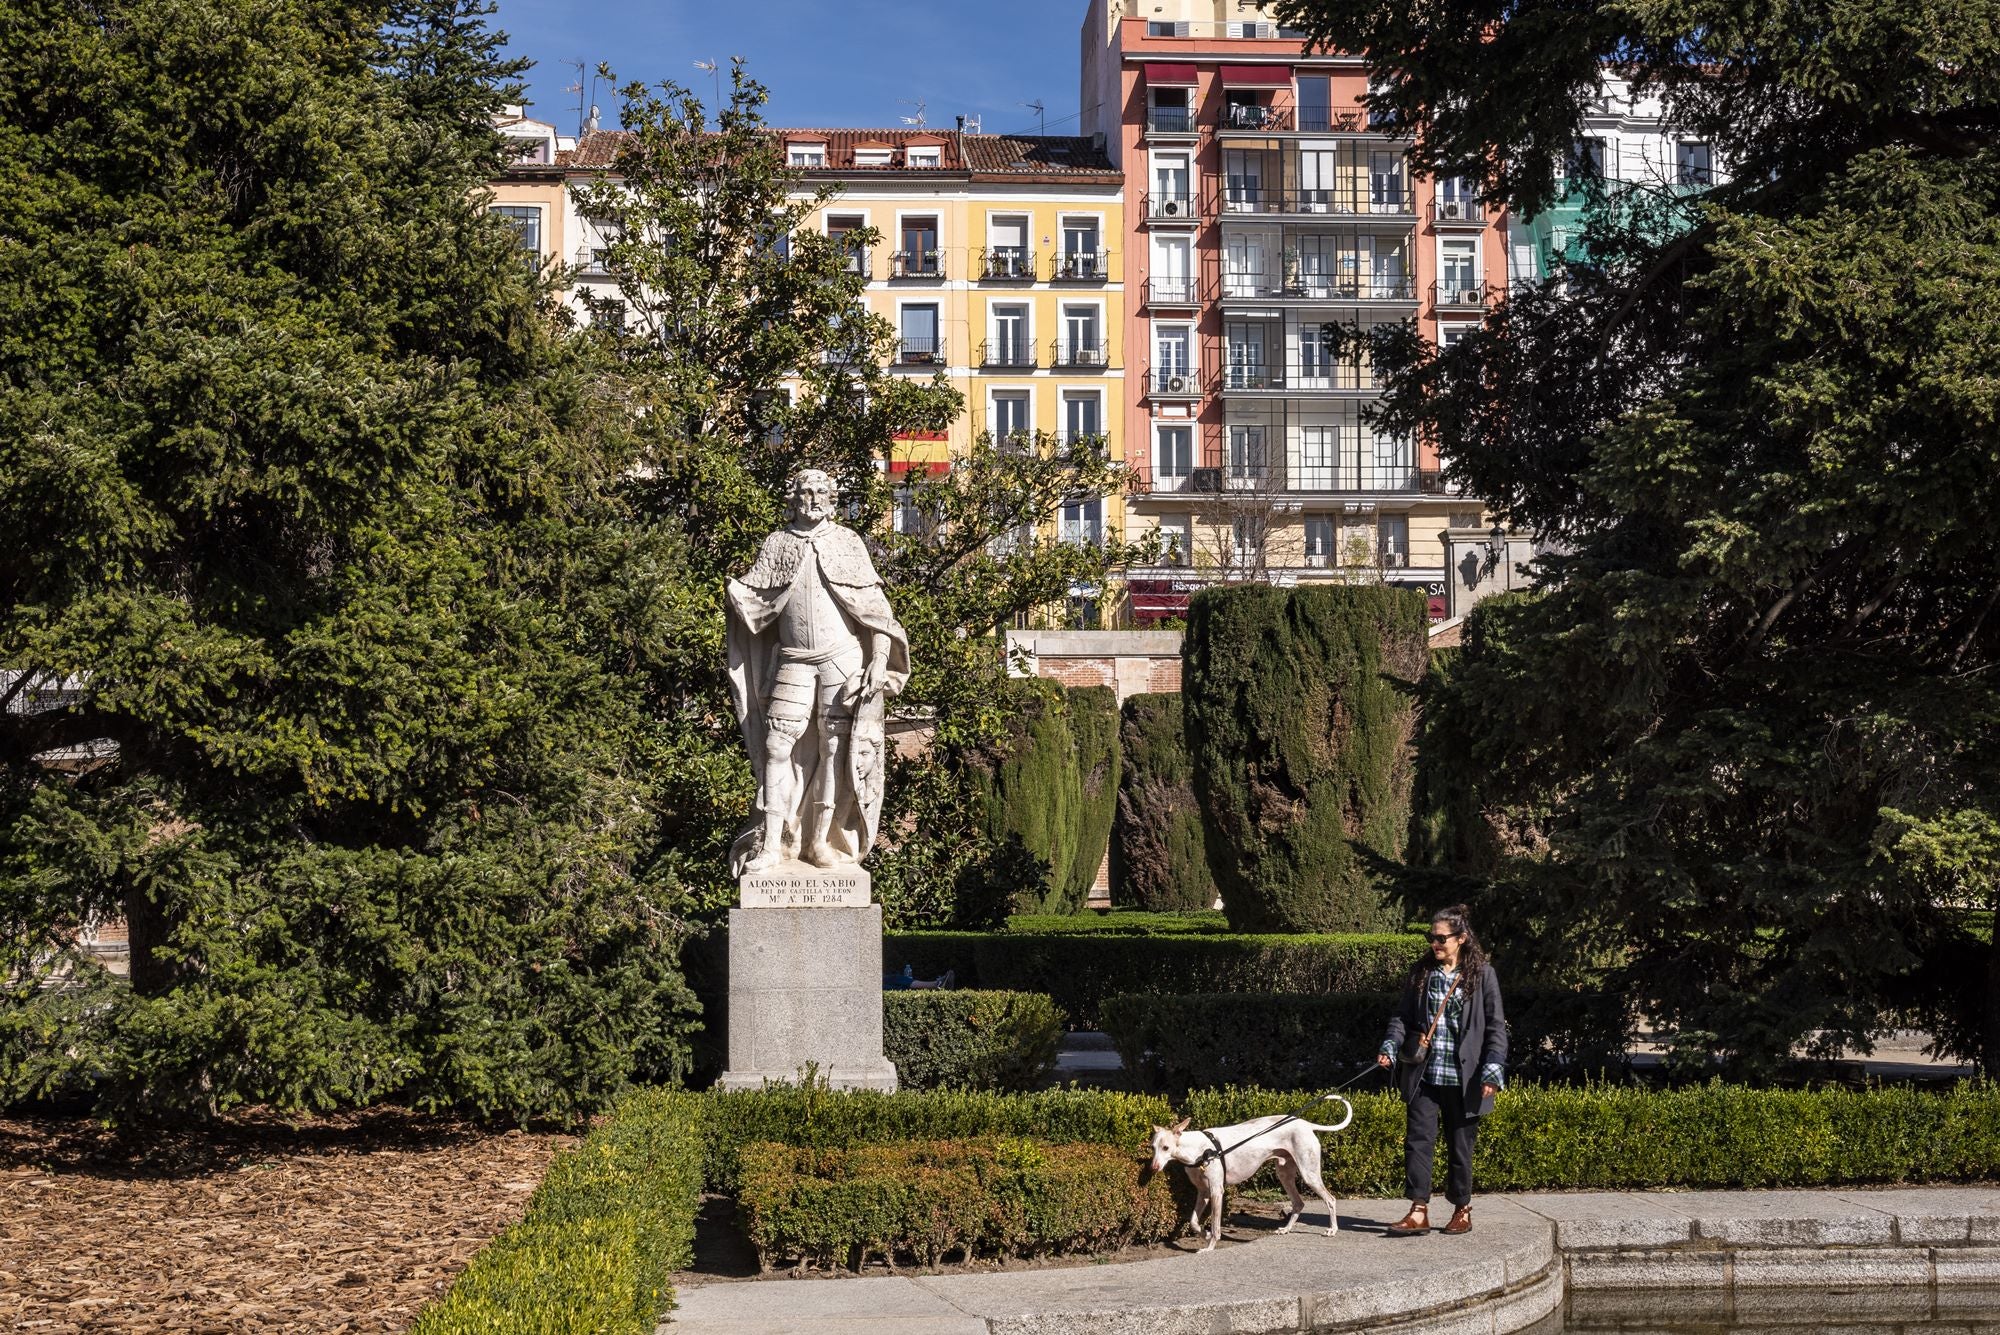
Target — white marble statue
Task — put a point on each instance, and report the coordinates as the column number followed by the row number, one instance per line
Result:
column 814, row 651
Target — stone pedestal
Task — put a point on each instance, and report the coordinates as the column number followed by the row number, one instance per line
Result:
column 805, row 983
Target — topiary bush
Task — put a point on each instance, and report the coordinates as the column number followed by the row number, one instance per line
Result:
column 970, row 1039
column 929, row 1200
column 1048, row 784
column 1300, row 713
column 1159, row 858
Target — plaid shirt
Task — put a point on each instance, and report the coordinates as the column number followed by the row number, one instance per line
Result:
column 1442, row 1066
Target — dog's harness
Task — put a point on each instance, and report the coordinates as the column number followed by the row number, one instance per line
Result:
column 1217, row 1152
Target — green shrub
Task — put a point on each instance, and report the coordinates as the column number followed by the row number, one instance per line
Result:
column 970, row 1039
column 611, row 1222
column 1121, row 922
column 816, row 1117
column 1079, row 970
column 1175, row 1043
column 546, row 1279
column 1048, row 784
column 1160, row 861
column 1299, row 712
column 928, row 1200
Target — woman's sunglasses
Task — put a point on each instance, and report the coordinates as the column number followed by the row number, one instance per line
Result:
column 1439, row 938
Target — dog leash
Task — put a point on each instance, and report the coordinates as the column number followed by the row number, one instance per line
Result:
column 1217, row 1152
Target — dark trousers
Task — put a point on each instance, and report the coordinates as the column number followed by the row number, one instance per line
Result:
column 1435, row 1103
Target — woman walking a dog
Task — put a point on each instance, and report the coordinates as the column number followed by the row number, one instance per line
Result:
column 1448, row 1041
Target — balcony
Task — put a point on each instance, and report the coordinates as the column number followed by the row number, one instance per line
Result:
column 1083, row 266
column 1077, row 356
column 1172, row 382
column 1319, row 376
column 1170, row 292
column 916, row 264
column 1170, row 206
column 1243, row 118
column 1007, row 352
column 1262, row 285
column 1386, row 199
column 920, row 352
column 1459, row 294
column 1469, row 211
column 1171, row 122
column 1010, row 264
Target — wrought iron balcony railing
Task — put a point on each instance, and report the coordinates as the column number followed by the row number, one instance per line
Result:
column 1007, row 352
column 1082, row 266
column 920, row 352
column 1008, row 263
column 916, row 264
column 1085, row 355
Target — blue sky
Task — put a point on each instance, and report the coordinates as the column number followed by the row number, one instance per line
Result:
column 853, row 62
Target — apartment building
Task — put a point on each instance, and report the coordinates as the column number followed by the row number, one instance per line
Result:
column 1266, row 210
column 532, row 191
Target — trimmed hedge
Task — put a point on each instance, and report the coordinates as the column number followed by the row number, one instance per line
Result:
column 1159, row 857
column 1080, row 970
column 1094, row 729
column 1292, row 1042
column 970, row 1039
column 1120, row 922
column 611, row 1222
column 928, row 1200
column 1300, row 712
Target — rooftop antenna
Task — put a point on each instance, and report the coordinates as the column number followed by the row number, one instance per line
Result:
column 715, row 68
column 918, row 119
column 576, row 88
column 1041, row 115
column 970, row 124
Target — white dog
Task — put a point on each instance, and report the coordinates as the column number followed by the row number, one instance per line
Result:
column 1249, row 1146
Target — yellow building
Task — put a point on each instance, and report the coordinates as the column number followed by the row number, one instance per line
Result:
column 996, row 263
column 532, row 191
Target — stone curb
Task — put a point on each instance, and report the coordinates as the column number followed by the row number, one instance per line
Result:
column 1525, row 1255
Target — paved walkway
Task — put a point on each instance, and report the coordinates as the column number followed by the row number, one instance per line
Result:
column 1510, row 1273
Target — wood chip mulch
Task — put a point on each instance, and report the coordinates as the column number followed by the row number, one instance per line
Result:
column 259, row 1224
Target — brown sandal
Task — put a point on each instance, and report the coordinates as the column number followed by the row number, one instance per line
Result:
column 1461, row 1220
column 1418, row 1220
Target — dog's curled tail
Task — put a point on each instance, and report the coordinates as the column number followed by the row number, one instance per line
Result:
column 1341, row 1125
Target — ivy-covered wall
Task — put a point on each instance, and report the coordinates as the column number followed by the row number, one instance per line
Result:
column 1159, row 859
column 1300, row 713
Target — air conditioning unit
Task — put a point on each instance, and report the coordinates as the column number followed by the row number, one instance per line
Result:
column 1451, row 209
column 1205, row 479
column 1171, row 208
column 1177, row 384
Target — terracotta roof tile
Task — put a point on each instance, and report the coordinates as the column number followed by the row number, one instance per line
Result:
column 981, row 154
column 1036, row 155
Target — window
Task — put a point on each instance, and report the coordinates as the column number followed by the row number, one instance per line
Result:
column 1319, row 182
column 921, row 343
column 920, row 254
column 1082, row 417
column 1319, row 540
column 1392, row 540
column 871, row 157
column 1159, row 28
column 1452, row 334
column 1242, row 180
column 1587, row 159
column 1173, row 262
column 1011, row 344
column 1315, row 101
column 1388, row 189
column 1173, row 453
column 1080, row 345
column 1170, row 358
column 1010, row 415
column 1243, row 109
column 920, row 156
column 1176, row 539
column 1083, row 521
column 1465, row 519
column 910, row 517
column 1318, row 458
column 527, row 223
column 1169, row 112
column 1456, row 198
column 1246, row 268
column 1393, row 464
column 1458, row 272
column 1080, row 257
column 837, row 228
column 1248, row 538
column 1246, row 453
column 1007, row 248
column 1244, row 343
column 1693, row 163
column 806, row 155
column 1170, row 179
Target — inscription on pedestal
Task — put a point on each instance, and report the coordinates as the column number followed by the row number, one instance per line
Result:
column 798, row 887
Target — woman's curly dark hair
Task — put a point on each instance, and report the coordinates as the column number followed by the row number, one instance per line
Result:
column 1471, row 955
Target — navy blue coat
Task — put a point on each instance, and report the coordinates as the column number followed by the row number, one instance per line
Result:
column 1483, row 1041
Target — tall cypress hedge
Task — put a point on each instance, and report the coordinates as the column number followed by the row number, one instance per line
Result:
column 1160, row 860
column 1050, row 783
column 1300, row 712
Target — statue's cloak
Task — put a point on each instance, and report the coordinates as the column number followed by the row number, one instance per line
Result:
column 754, row 602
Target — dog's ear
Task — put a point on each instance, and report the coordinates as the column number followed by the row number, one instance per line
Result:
column 1181, row 1125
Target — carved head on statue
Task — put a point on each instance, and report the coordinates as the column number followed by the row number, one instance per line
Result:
column 813, row 495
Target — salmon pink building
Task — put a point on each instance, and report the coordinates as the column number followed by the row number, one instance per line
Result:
column 1265, row 209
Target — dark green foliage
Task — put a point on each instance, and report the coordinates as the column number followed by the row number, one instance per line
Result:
column 1755, row 707
column 603, row 1233
column 1299, row 715
column 1120, row 922
column 1159, row 861
column 970, row 1039
column 1093, row 727
column 308, row 511
column 1043, row 780
column 1177, row 1043
column 1080, row 970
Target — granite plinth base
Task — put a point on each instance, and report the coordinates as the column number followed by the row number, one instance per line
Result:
column 805, row 988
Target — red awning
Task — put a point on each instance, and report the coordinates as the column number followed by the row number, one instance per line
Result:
column 1256, row 76
column 1170, row 74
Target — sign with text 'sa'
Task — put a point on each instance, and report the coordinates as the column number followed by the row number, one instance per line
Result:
column 804, row 888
